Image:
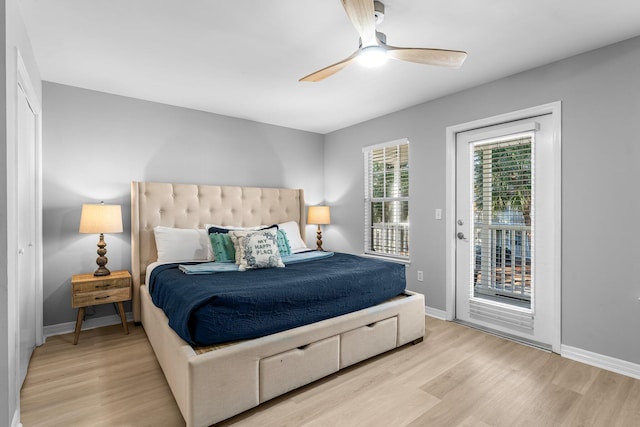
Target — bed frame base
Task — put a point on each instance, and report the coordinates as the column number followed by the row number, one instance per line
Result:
column 219, row 384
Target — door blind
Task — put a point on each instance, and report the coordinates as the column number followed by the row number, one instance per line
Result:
column 503, row 219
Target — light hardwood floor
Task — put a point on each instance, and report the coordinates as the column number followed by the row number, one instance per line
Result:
column 456, row 377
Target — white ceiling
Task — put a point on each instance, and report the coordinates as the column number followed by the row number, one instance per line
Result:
column 243, row 58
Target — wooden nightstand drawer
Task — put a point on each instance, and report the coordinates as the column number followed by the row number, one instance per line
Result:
column 101, row 285
column 89, row 282
column 101, row 297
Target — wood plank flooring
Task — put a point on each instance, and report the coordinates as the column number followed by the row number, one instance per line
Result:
column 457, row 377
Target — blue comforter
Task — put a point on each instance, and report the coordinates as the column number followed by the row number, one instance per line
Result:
column 229, row 306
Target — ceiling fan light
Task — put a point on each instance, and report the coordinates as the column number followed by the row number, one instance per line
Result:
column 372, row 56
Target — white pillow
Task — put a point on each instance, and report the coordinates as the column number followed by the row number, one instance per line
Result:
column 293, row 234
column 182, row 244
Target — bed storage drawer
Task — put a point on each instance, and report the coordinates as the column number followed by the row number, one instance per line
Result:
column 294, row 368
column 368, row 341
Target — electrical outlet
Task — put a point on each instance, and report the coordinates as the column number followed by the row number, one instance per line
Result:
column 420, row 276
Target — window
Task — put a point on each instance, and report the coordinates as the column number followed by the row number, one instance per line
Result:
column 386, row 199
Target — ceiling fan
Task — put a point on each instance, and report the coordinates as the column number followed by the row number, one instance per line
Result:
column 374, row 50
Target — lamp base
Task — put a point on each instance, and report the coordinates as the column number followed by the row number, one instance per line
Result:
column 102, row 271
column 319, row 239
column 102, row 259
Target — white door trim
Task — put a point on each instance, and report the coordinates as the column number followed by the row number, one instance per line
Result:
column 555, row 109
column 27, row 87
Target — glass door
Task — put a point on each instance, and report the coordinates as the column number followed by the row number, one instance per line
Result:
column 505, row 229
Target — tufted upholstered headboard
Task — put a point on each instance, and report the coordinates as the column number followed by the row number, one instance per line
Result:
column 193, row 206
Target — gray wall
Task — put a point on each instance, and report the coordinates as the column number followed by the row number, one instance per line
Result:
column 600, row 94
column 95, row 144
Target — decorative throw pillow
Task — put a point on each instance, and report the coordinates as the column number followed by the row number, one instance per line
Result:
column 235, row 238
column 213, row 228
column 283, row 243
column 242, row 232
column 258, row 249
column 223, row 248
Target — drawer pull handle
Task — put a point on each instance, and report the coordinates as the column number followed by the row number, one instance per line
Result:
column 102, row 297
column 102, row 286
column 303, row 347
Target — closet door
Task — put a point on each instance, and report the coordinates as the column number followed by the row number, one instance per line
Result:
column 27, row 122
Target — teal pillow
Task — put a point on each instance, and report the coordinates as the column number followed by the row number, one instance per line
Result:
column 283, row 243
column 223, row 249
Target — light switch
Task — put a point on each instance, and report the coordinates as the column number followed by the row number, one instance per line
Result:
column 438, row 213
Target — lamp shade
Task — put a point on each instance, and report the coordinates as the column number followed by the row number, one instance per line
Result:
column 96, row 219
column 319, row 215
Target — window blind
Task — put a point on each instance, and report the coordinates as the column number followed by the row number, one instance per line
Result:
column 386, row 199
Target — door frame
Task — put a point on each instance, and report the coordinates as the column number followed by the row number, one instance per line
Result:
column 553, row 108
column 24, row 81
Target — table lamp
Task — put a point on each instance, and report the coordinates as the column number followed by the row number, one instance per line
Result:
column 319, row 215
column 100, row 219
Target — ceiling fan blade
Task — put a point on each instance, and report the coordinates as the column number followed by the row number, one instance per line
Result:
column 330, row 70
column 362, row 16
column 439, row 57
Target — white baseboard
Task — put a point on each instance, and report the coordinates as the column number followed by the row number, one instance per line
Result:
column 98, row 322
column 618, row 366
column 434, row 312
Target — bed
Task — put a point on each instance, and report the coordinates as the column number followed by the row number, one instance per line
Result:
column 214, row 383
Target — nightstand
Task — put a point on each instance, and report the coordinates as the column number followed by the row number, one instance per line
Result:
column 87, row 290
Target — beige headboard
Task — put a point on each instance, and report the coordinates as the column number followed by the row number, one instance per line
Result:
column 193, row 206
